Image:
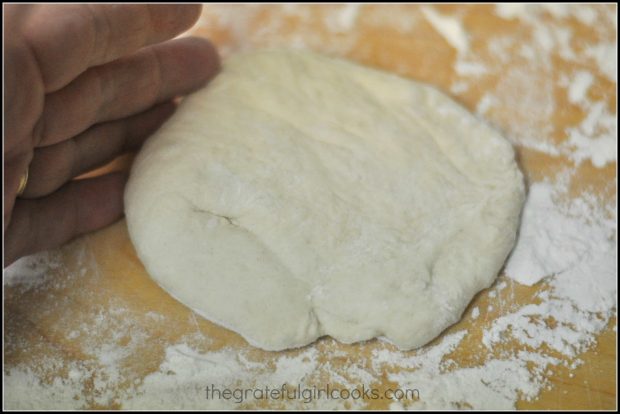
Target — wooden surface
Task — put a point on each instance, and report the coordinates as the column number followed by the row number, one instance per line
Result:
column 101, row 277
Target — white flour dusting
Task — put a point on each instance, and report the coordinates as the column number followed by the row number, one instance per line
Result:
column 344, row 20
column 556, row 238
column 450, row 28
column 595, row 138
column 567, row 245
column 31, row 271
column 527, row 86
column 578, row 88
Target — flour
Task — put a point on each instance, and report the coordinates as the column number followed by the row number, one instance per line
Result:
column 550, row 242
column 585, row 14
column 576, row 276
column 343, row 20
column 527, row 87
column 485, row 103
column 605, row 56
column 450, row 28
column 578, row 88
column 595, row 138
column 464, row 68
column 31, row 271
column 567, row 239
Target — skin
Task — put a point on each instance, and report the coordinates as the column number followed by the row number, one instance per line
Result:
column 84, row 84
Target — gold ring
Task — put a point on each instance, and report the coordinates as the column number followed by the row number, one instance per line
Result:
column 23, row 181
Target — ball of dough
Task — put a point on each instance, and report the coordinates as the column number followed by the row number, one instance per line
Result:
column 299, row 195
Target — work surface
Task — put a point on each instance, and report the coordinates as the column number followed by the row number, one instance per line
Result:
column 85, row 327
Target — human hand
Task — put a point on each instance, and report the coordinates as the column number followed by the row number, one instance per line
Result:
column 83, row 84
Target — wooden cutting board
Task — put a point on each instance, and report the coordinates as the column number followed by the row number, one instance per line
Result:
column 99, row 293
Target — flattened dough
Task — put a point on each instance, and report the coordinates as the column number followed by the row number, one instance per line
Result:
column 299, row 196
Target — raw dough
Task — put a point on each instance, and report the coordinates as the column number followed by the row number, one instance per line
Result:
column 299, row 195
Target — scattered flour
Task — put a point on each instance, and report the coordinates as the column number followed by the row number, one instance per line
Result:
column 578, row 88
column 527, row 87
column 485, row 103
column 31, row 271
column 344, row 20
column 550, row 241
column 566, row 245
column 450, row 28
column 605, row 55
column 595, row 138
column 464, row 68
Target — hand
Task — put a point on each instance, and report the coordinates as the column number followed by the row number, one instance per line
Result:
column 84, row 83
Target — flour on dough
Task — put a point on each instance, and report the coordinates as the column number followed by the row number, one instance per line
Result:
column 299, row 196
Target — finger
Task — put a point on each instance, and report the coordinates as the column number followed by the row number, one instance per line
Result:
column 79, row 207
column 68, row 39
column 54, row 165
column 22, row 87
column 14, row 169
column 127, row 86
